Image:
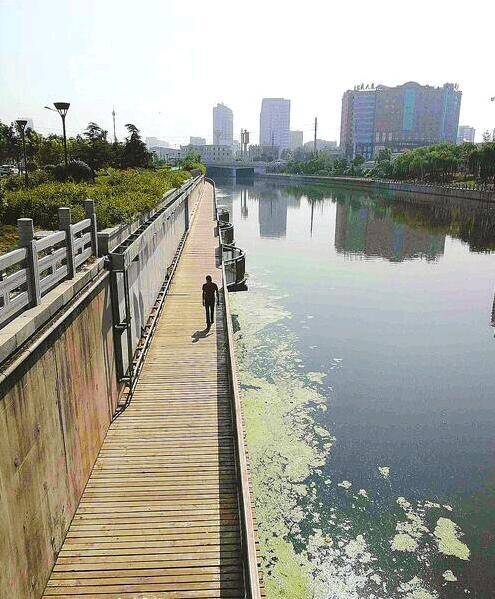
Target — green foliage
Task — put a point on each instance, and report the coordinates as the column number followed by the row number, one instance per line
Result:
column 93, row 148
column 10, row 146
column 76, row 171
column 440, row 163
column 191, row 162
column 8, row 238
column 119, row 197
column 134, row 152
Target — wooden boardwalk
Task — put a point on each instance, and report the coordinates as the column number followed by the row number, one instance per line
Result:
column 160, row 514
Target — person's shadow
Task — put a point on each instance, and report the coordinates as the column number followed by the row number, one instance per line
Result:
column 201, row 334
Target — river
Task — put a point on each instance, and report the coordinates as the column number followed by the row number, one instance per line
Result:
column 365, row 347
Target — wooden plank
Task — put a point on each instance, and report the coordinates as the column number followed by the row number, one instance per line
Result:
column 160, row 513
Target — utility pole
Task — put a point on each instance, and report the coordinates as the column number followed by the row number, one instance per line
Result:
column 114, row 134
column 316, row 128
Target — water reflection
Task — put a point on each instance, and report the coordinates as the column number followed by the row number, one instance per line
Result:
column 371, row 232
column 368, row 389
column 272, row 215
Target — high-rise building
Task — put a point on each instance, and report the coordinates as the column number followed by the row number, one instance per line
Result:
column 398, row 118
column 296, row 139
column 275, row 123
column 223, row 125
column 465, row 134
column 197, row 141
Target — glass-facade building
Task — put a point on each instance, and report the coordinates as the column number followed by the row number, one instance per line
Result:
column 398, row 118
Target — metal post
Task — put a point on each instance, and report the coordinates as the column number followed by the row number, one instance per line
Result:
column 65, row 142
column 89, row 210
column 128, row 320
column 26, row 179
column 26, row 240
column 64, row 219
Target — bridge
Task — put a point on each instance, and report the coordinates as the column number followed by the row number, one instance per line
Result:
column 240, row 171
column 160, row 502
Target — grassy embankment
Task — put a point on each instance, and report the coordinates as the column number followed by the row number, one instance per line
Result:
column 120, row 195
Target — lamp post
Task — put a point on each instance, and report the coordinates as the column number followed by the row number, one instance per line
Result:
column 62, row 108
column 21, row 125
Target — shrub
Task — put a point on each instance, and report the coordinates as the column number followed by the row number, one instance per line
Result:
column 119, row 197
column 76, row 171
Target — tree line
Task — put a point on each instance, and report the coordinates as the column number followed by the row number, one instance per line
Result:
column 92, row 148
column 440, row 163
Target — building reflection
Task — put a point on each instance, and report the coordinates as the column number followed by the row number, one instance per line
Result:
column 272, row 215
column 244, row 203
column 361, row 230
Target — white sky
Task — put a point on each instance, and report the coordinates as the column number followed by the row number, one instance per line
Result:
column 165, row 63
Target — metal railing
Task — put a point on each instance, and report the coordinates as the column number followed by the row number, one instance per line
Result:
column 226, row 232
column 234, row 261
column 248, row 539
column 39, row 265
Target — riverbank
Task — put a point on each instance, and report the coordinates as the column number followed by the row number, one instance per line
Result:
column 375, row 185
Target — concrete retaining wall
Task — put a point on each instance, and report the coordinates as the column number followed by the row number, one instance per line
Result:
column 57, row 404
column 58, row 393
column 374, row 185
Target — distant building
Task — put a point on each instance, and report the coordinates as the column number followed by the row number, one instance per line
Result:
column 296, row 139
column 465, row 134
column 197, row 141
column 154, row 142
column 210, row 152
column 398, row 118
column 263, row 153
column 223, row 125
column 169, row 155
column 321, row 144
column 275, row 123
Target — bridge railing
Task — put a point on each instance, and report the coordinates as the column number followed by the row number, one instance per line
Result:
column 38, row 265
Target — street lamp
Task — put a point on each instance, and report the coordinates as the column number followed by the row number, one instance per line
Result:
column 62, row 108
column 21, row 125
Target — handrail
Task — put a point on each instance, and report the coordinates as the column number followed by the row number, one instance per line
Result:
column 36, row 267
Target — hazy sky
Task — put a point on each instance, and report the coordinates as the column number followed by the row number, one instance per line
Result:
column 164, row 64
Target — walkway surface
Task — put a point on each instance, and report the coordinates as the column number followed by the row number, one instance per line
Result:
column 159, row 515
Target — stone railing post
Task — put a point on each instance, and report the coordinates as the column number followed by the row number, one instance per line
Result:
column 89, row 209
column 65, row 224
column 27, row 240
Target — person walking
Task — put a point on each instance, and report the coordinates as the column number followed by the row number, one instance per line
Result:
column 209, row 291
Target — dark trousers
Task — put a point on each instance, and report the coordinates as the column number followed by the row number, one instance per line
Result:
column 210, row 313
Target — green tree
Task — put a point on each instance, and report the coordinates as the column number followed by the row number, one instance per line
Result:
column 93, row 147
column 134, row 152
column 192, row 161
column 384, row 155
column 487, row 138
column 50, row 150
column 10, row 147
